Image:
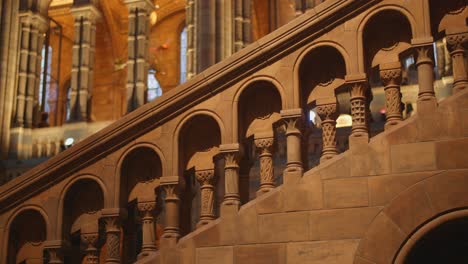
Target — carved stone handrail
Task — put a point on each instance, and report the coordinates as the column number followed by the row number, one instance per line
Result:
column 257, row 55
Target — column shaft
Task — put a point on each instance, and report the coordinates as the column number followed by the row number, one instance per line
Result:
column 206, row 180
column 457, row 44
column 231, row 174
column 238, row 25
column 112, row 224
column 425, row 67
column 149, row 235
column 190, row 23
column 172, row 201
column 328, row 114
column 358, row 110
column 391, row 79
column 23, row 70
column 267, row 175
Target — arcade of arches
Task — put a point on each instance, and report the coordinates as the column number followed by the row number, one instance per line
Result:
column 240, row 131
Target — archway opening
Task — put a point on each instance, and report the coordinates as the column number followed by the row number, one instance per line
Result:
column 446, row 243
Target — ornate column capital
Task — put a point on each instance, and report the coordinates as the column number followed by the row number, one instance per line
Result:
column 146, row 206
column 90, row 240
column 205, row 177
column 358, row 92
column 146, row 5
column 391, row 76
column 457, row 42
column 265, row 144
column 88, row 12
column 293, row 119
column 327, row 111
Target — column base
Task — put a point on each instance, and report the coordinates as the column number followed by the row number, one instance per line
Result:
column 169, row 240
column 427, row 106
column 262, row 191
column 146, row 254
column 292, row 175
column 358, row 140
column 229, row 208
column 203, row 222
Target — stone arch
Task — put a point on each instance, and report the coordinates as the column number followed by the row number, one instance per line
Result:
column 300, row 59
column 82, row 203
column 426, row 230
column 179, row 126
column 247, row 84
column 29, row 236
column 197, row 140
column 414, row 209
column 126, row 152
column 365, row 22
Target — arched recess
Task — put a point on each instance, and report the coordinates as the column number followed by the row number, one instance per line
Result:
column 82, row 204
column 388, row 59
column 198, row 143
column 411, row 214
column 257, row 116
column 321, row 80
column 140, row 171
column 26, row 234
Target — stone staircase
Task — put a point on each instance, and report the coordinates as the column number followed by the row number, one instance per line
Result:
column 369, row 204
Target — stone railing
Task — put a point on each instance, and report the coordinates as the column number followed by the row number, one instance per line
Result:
column 211, row 131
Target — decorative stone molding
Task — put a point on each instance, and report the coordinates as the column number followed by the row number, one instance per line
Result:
column 206, row 180
column 390, row 74
column 90, row 241
column 328, row 114
column 264, row 146
column 146, row 207
column 457, row 45
column 231, row 154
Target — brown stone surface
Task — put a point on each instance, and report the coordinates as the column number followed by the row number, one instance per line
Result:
column 447, row 190
column 452, row 154
column 340, row 251
column 260, row 254
column 341, row 223
column 342, row 193
column 284, row 227
column 413, row 157
column 215, row 255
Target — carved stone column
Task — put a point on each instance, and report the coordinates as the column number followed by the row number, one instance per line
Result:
column 55, row 249
column 247, row 25
column 358, row 92
column 190, row 22
column 238, row 25
column 112, row 224
column 206, row 180
column 264, row 145
column 90, row 241
column 244, row 179
column 293, row 118
column 25, row 25
column 146, row 208
column 457, row 45
column 425, row 66
column 172, row 201
column 390, row 74
column 231, row 154
column 139, row 12
column 83, row 61
column 328, row 114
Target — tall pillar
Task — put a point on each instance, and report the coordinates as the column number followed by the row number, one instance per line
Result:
column 146, row 208
column 238, row 25
column 172, row 204
column 33, row 28
column 328, row 114
column 293, row 119
column 358, row 92
column 84, row 43
column 247, row 20
column 264, row 145
column 90, row 239
column 113, row 220
column 231, row 154
column 190, row 23
column 457, row 44
column 425, row 64
column 390, row 74
column 25, row 25
column 139, row 12
column 206, row 180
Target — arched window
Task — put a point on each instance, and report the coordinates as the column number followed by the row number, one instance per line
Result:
column 183, row 55
column 154, row 89
column 46, row 79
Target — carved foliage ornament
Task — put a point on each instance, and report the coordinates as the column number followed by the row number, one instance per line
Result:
column 391, row 76
column 457, row 42
column 205, row 177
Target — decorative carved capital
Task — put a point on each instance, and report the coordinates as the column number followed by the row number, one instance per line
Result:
column 264, row 143
column 90, row 239
column 358, row 90
column 112, row 224
column 205, row 177
column 327, row 111
column 172, row 191
column 457, row 42
column 424, row 54
column 231, row 160
column 146, row 206
column 391, row 76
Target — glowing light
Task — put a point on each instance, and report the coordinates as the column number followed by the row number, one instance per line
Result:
column 69, row 141
column 344, row 121
column 153, row 18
